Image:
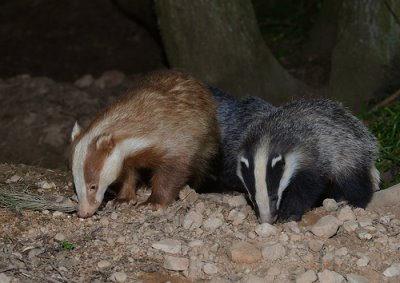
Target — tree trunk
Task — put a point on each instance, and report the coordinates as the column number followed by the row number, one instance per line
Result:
column 219, row 42
column 368, row 41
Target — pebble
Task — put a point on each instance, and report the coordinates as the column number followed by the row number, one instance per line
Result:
column 188, row 195
column 213, row 223
column 326, row 226
column 35, row 252
column 4, row 278
column 118, row 277
column 346, row 213
column 168, row 246
column 235, row 201
column 192, row 220
column 210, row 268
column 244, row 252
column 350, row 225
column 364, row 221
column 393, row 270
column 273, row 252
column 354, row 278
column 13, row 179
column 341, row 251
column 59, row 237
column 330, row 204
column 307, row 277
column 176, row 263
column 265, row 230
column 363, row 261
column 46, row 185
column 114, row 216
column 328, row 276
column 84, row 81
column 103, row 264
column 58, row 214
column 195, row 268
column 104, row 221
column 315, row 245
column 364, row 235
column 195, row 243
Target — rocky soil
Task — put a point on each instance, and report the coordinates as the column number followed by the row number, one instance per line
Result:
column 200, row 238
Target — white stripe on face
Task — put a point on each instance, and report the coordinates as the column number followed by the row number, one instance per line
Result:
column 291, row 164
column 113, row 164
column 275, row 160
column 261, row 190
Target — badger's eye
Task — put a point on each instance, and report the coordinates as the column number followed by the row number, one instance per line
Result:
column 92, row 187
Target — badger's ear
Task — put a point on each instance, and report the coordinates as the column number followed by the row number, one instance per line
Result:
column 105, row 142
column 75, row 131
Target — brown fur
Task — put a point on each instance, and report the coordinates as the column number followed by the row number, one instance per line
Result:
column 177, row 114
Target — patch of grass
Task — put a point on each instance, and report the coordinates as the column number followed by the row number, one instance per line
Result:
column 385, row 125
column 67, row 245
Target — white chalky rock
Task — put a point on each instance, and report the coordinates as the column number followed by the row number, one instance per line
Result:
column 346, row 213
column 364, row 221
column 176, row 263
column 393, row 270
column 168, row 246
column 328, row 276
column 363, row 261
column 244, row 252
column 212, row 223
column 330, row 204
column 192, row 220
column 235, row 201
column 315, row 245
column 265, row 230
column 210, row 268
column 307, row 277
column 195, row 243
column 350, row 225
column 364, row 235
column 326, row 226
column 118, row 277
column 273, row 251
column 354, row 278
column 59, row 237
column 103, row 264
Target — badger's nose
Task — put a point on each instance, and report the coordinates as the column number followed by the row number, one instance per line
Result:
column 84, row 214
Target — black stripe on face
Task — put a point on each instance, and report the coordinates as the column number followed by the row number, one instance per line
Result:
column 275, row 169
column 249, row 179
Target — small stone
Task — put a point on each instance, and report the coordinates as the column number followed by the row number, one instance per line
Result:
column 346, row 213
column 35, row 252
column 273, row 252
column 103, row 264
column 192, row 220
column 84, row 81
column 330, row 204
column 58, row 214
column 354, row 278
column 315, row 245
column 46, row 185
column 364, row 221
column 363, row 261
column 118, row 277
column 114, row 216
column 188, row 195
column 265, row 230
column 4, row 278
column 252, row 279
column 104, row 221
column 326, row 226
column 59, row 237
column 244, row 252
column 13, row 179
column 196, row 243
column 110, row 78
column 307, row 277
column 210, row 268
column 235, row 201
column 393, row 270
column 328, row 276
column 168, row 246
column 350, row 225
column 195, row 270
column 364, row 235
column 212, row 223
column 341, row 252
column 176, row 263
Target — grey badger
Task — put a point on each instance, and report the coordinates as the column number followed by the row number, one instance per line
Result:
column 234, row 117
column 305, row 151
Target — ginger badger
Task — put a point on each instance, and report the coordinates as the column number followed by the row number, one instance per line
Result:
column 166, row 123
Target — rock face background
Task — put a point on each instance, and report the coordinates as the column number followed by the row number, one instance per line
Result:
column 200, row 238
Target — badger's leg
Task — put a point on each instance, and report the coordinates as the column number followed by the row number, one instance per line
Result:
column 167, row 181
column 357, row 188
column 127, row 192
column 303, row 193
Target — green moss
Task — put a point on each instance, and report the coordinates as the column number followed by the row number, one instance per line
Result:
column 385, row 125
column 67, row 245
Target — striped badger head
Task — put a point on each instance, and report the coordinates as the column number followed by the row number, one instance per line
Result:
column 95, row 165
column 266, row 175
